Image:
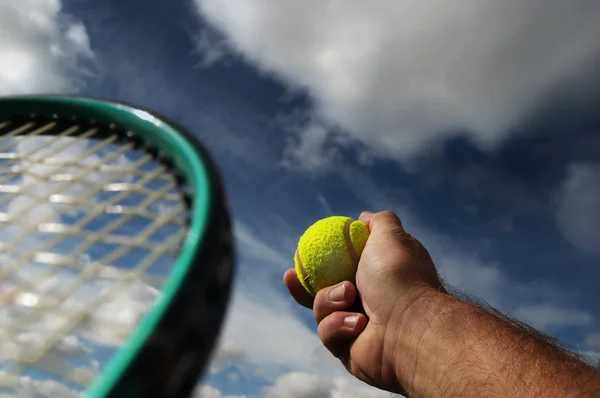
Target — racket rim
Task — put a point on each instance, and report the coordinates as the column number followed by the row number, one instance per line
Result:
column 184, row 149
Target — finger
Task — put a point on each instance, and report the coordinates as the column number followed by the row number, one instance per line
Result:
column 385, row 220
column 334, row 298
column 365, row 217
column 337, row 330
column 290, row 280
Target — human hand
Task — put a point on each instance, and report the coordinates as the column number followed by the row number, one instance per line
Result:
column 394, row 272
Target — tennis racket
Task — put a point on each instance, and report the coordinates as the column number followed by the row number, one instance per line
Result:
column 116, row 254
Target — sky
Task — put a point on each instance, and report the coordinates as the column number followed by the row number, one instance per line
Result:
column 475, row 121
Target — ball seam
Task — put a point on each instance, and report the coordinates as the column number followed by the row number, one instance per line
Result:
column 305, row 276
column 349, row 245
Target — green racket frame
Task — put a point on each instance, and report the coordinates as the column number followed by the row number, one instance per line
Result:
column 171, row 346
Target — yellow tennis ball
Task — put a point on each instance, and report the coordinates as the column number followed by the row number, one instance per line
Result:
column 328, row 252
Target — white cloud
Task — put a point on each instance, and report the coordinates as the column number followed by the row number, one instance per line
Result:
column 233, row 377
column 206, row 391
column 399, row 75
column 578, row 210
column 262, row 324
column 225, row 355
column 592, row 357
column 310, row 385
column 27, row 387
column 593, row 339
column 41, row 48
column 309, row 146
column 210, row 46
column 544, row 316
column 120, row 312
column 345, row 387
column 256, row 248
column 299, row 385
column 326, row 206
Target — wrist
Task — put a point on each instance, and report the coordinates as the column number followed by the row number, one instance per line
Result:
column 415, row 363
column 422, row 307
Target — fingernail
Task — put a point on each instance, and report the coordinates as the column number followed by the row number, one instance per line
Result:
column 350, row 321
column 336, row 294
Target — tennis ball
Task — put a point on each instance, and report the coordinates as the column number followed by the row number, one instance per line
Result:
column 328, row 252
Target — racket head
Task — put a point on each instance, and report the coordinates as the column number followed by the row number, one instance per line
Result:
column 171, row 345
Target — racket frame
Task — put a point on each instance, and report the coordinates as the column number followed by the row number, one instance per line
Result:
column 180, row 328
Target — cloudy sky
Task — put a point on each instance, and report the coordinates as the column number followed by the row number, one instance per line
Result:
column 475, row 120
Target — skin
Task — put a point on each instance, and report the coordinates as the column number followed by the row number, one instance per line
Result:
column 410, row 336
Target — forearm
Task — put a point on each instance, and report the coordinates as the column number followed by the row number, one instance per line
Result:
column 448, row 348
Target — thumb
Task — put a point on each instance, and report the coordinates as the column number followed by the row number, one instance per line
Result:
column 383, row 223
column 385, row 219
column 382, row 217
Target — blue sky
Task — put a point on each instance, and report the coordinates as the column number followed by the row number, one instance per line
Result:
column 476, row 122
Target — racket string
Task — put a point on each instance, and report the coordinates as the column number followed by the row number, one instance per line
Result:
column 23, row 129
column 79, row 316
column 58, row 187
column 62, row 198
column 44, row 179
column 92, row 239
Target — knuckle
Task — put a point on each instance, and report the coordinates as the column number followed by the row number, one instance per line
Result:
column 325, row 331
column 321, row 298
column 366, row 213
column 389, row 218
column 386, row 214
column 321, row 306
